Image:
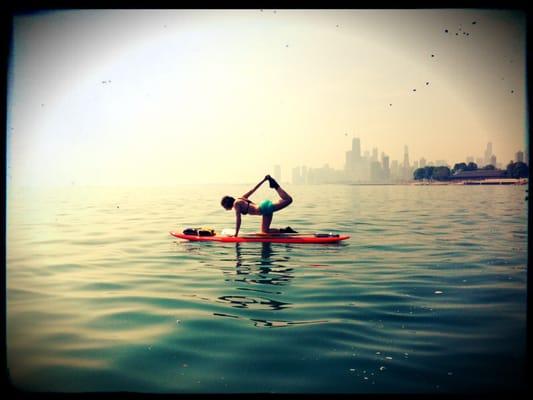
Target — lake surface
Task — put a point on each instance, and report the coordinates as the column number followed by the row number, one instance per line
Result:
column 428, row 295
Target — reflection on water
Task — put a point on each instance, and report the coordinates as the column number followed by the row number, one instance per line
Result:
column 259, row 272
column 261, row 323
column 253, row 270
column 266, row 269
column 250, row 302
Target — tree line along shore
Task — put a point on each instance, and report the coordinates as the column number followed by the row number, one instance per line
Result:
column 470, row 171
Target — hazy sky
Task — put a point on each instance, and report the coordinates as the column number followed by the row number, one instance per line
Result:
column 157, row 97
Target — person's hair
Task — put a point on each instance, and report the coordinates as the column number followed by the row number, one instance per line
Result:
column 227, row 201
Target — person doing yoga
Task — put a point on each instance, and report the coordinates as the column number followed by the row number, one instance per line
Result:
column 244, row 206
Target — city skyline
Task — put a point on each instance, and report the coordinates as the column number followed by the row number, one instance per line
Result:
column 362, row 166
column 488, row 155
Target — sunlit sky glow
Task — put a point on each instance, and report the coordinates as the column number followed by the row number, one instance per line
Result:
column 161, row 97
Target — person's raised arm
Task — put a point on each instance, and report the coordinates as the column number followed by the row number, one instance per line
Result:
column 245, row 196
column 238, row 222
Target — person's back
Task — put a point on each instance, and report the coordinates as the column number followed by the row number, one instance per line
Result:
column 244, row 206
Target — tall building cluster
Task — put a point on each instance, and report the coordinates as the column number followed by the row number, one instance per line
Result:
column 367, row 167
column 488, row 158
column 370, row 168
column 361, row 167
column 299, row 175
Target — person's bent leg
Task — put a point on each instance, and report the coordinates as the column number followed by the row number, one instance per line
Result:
column 286, row 199
column 283, row 194
column 265, row 224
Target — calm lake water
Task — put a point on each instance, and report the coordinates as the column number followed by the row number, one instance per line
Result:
column 428, row 295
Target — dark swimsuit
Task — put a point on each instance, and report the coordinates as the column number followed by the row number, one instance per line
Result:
column 249, row 201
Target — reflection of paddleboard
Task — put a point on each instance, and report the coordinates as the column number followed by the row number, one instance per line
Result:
column 269, row 238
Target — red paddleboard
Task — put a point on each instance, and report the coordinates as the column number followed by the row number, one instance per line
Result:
column 264, row 238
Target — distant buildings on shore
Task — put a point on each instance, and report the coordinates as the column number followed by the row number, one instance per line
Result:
column 370, row 168
column 277, row 173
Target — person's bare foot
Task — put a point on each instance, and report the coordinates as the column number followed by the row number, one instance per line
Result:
column 272, row 182
column 287, row 230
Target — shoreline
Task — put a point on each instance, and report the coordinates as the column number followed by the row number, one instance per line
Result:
column 502, row 181
column 505, row 181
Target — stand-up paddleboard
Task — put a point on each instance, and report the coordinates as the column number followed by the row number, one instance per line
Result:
column 266, row 238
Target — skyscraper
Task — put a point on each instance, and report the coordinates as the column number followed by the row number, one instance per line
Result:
column 386, row 169
column 349, row 162
column 375, row 171
column 277, row 173
column 356, row 148
column 304, row 174
column 395, row 169
column 422, row 162
column 493, row 160
column 374, row 154
column 488, row 153
column 519, row 156
column 406, row 168
column 296, row 176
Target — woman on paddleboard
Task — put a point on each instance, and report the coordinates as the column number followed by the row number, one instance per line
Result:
column 266, row 208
